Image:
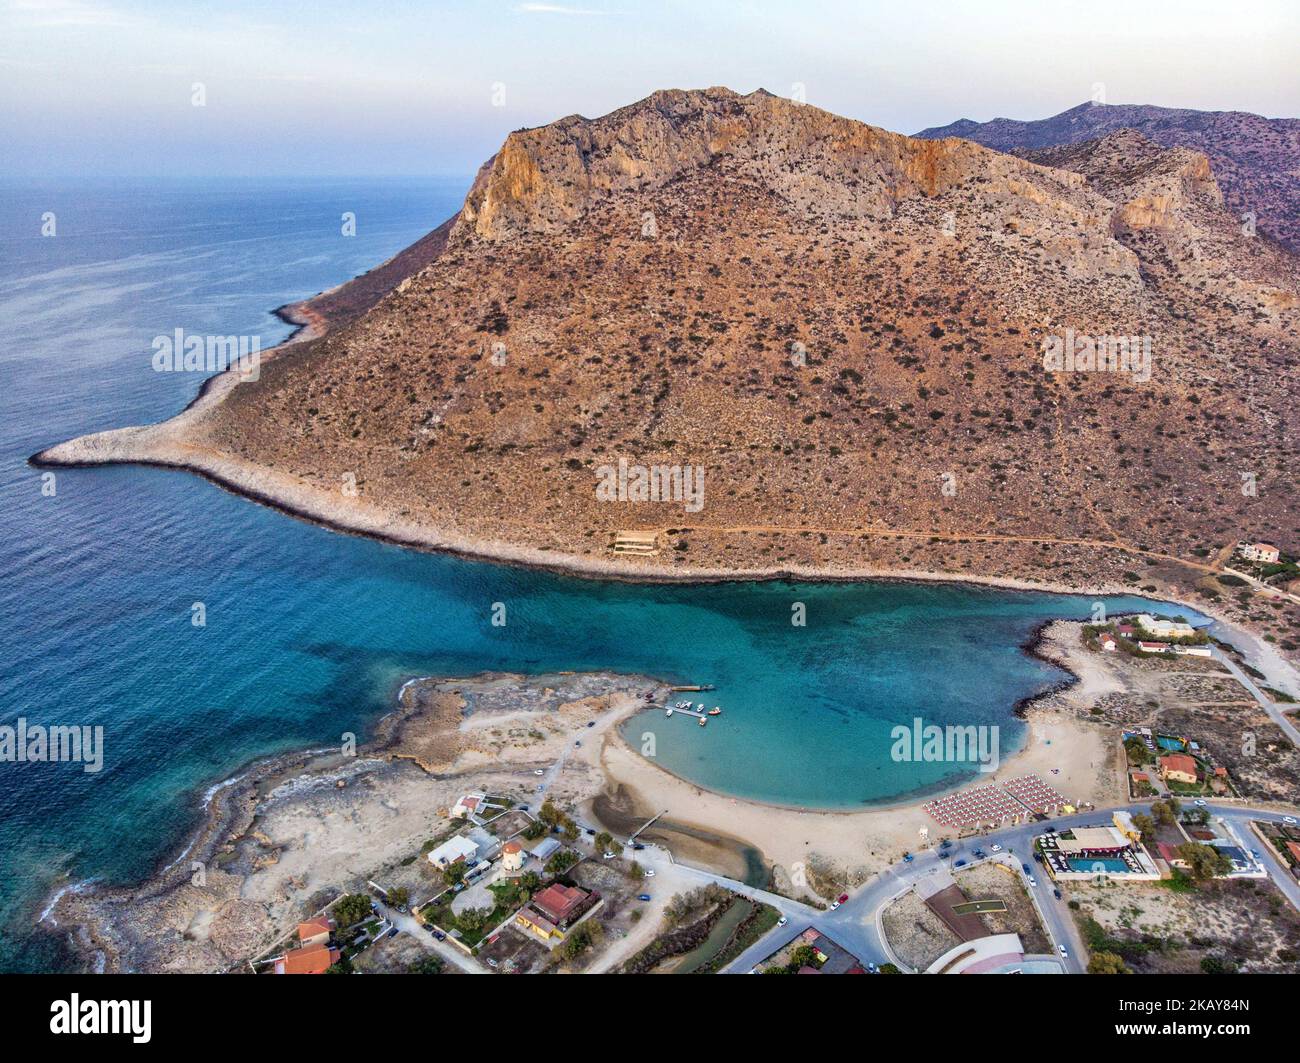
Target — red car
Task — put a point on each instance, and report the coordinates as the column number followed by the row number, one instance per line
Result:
column 843, row 897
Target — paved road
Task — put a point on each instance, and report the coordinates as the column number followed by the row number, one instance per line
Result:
column 409, row 925
column 1267, row 704
column 854, row 925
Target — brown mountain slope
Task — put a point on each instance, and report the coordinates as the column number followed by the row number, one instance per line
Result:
column 1256, row 159
column 842, row 327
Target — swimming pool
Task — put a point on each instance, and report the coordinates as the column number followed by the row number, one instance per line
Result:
column 1109, row 865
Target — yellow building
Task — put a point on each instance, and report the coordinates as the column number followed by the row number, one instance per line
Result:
column 1124, row 824
column 538, row 926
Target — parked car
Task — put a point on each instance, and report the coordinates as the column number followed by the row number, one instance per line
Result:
column 643, row 896
column 1038, row 857
column 1061, row 949
column 440, row 935
column 1056, row 893
column 782, row 921
column 638, row 846
column 539, row 771
column 591, row 830
column 959, row 863
column 591, row 723
column 995, row 848
column 492, row 963
column 607, row 855
column 1024, row 868
column 835, row 905
column 872, row 969
column 843, row 897
column 392, row 932
column 649, row 872
column 1033, row 882
column 1199, row 803
column 1289, row 820
column 978, row 854
column 908, row 858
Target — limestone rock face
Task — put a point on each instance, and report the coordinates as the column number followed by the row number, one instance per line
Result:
column 543, row 179
column 1255, row 159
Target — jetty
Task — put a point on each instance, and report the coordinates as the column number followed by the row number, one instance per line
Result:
column 673, row 710
column 705, row 686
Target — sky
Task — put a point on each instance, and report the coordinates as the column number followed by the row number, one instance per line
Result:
column 109, row 87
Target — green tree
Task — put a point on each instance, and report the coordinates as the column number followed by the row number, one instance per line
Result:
column 472, row 919
column 1137, row 752
column 427, row 965
column 1147, row 826
column 1205, row 860
column 1107, row 963
column 604, row 840
column 399, row 896
column 351, row 909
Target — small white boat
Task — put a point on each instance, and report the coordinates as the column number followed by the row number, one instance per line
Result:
column 703, row 721
column 669, row 712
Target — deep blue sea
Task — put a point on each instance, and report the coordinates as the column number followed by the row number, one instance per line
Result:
column 310, row 632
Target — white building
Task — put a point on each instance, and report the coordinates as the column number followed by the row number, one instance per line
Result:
column 512, row 857
column 1262, row 552
column 1165, row 629
column 454, row 849
column 468, row 805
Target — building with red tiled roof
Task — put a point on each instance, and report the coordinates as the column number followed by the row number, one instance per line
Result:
column 559, row 903
column 315, row 931
column 554, row 909
column 314, row 959
column 1179, row 767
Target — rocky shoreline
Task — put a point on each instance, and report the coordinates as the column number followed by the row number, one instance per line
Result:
column 419, row 745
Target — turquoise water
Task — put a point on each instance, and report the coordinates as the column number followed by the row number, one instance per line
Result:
column 1111, row 865
column 309, row 632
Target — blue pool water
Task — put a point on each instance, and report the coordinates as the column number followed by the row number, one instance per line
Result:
column 309, row 632
column 1108, row 864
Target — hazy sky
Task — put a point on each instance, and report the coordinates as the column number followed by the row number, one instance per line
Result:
column 106, row 86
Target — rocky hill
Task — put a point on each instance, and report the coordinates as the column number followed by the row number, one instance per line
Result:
column 845, row 331
column 1256, row 160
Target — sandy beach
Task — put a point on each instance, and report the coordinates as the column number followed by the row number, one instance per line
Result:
column 837, row 849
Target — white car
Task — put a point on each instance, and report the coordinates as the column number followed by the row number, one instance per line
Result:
column 1289, row 820
column 782, row 921
column 649, row 872
column 835, row 905
column 995, row 848
column 1033, row 881
column 539, row 771
column 1061, row 949
column 1199, row 803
